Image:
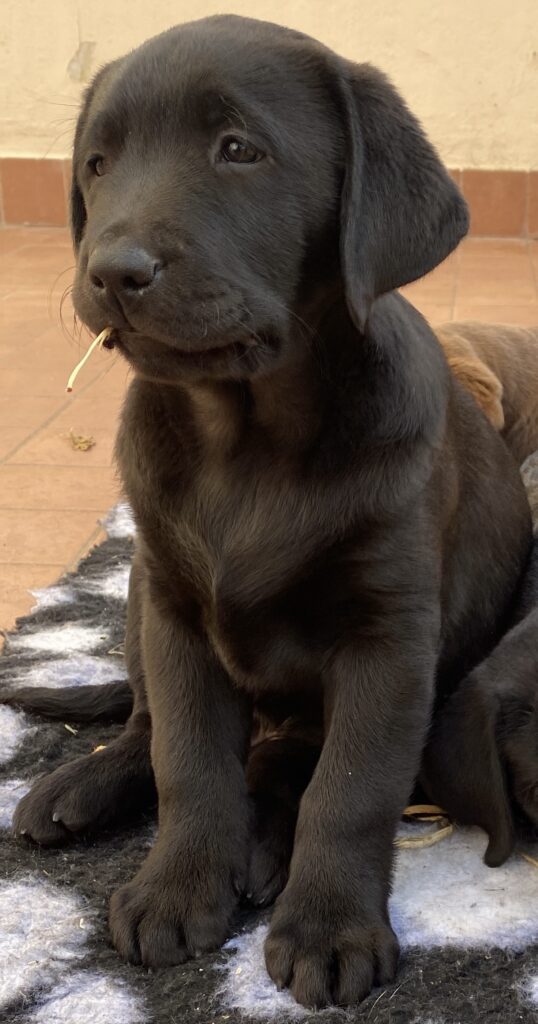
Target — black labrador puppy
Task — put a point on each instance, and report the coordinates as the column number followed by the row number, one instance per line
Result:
column 329, row 531
column 482, row 753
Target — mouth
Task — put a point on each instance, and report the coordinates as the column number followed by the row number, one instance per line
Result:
column 110, row 341
column 167, row 350
column 161, row 358
column 211, row 354
column 189, row 357
column 166, row 359
column 125, row 339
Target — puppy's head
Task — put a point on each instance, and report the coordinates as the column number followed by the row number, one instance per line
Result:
column 231, row 180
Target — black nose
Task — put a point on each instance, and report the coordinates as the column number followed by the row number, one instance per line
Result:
column 122, row 269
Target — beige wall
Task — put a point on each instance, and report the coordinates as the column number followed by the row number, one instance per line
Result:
column 468, row 68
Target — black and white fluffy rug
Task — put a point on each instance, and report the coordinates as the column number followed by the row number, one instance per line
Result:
column 469, row 934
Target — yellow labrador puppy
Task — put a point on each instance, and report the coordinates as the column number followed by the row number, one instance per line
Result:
column 498, row 364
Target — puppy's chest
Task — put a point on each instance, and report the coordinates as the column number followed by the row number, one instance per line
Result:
column 237, row 533
column 230, row 544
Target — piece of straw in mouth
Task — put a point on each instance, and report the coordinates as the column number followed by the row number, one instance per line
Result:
column 98, row 342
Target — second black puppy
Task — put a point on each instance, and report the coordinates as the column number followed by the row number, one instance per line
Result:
column 328, row 527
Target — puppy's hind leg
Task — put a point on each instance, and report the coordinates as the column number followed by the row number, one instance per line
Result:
column 279, row 768
column 481, row 759
column 90, row 792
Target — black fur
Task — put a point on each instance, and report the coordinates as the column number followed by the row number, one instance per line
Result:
column 111, row 702
column 328, row 527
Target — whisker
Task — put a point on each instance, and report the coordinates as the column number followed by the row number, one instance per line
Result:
column 308, row 328
column 60, row 135
column 74, row 334
column 58, row 103
column 58, row 122
column 65, row 331
column 69, row 287
column 312, row 336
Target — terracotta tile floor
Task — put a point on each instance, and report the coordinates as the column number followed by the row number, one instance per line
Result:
column 53, row 496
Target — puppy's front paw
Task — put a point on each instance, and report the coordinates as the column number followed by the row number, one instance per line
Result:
column 173, row 909
column 325, row 952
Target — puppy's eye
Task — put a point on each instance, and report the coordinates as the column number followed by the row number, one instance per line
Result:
column 237, row 151
column 97, row 165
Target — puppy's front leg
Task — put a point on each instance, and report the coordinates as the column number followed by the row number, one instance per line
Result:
column 330, row 938
column 181, row 900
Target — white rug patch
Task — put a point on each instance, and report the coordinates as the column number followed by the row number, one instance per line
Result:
column 59, row 639
column 119, row 522
column 247, row 986
column 86, row 998
column 530, row 990
column 114, row 584
column 13, row 730
column 72, row 671
column 443, row 895
column 43, row 930
column 11, row 791
column 51, row 597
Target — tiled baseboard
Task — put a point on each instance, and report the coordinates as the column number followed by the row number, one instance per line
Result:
column 34, row 192
column 502, row 203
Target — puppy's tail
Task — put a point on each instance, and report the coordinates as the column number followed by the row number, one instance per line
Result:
column 103, row 701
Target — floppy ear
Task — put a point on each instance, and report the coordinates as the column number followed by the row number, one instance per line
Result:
column 401, row 213
column 463, row 771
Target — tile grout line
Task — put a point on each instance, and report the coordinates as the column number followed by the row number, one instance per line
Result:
column 85, row 547
column 534, row 269
column 61, row 465
column 77, row 508
column 51, row 418
column 44, row 565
